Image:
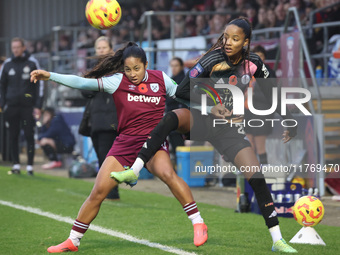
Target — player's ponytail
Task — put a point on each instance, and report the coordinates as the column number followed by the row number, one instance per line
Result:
column 114, row 62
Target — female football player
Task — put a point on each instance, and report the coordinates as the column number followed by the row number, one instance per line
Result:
column 230, row 59
column 139, row 95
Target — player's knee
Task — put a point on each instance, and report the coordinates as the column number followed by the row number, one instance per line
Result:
column 171, row 119
column 167, row 176
column 98, row 195
column 183, row 120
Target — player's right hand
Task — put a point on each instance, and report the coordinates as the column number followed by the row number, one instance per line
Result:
column 39, row 75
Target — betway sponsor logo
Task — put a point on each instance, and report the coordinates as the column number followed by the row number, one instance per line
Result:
column 143, row 98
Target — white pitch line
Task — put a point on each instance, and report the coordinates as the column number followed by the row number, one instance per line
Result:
column 98, row 229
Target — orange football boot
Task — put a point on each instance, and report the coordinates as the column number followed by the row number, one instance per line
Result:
column 200, row 234
column 63, row 247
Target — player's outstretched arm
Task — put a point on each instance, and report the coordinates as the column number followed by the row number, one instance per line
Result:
column 71, row 81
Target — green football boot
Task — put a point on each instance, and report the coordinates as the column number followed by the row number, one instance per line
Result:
column 282, row 246
column 127, row 176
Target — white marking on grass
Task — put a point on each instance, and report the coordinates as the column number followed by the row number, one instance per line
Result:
column 99, row 229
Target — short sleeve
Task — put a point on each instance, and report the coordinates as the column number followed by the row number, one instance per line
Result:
column 170, row 85
column 111, row 83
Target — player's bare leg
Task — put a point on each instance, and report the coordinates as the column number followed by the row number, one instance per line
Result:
column 246, row 159
column 161, row 166
column 90, row 208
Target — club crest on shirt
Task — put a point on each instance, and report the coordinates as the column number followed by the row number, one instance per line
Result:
column 196, row 71
column 154, row 87
column 245, row 79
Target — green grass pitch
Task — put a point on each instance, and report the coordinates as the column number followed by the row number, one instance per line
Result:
column 152, row 217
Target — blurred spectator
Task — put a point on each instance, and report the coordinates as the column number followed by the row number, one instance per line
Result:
column 157, row 34
column 262, row 4
column 54, row 137
column 280, row 13
column 309, row 7
column 177, row 69
column 21, row 101
column 179, row 27
column 300, row 6
column 262, row 21
column 240, row 6
column 135, row 13
column 202, row 27
column 271, row 18
column 136, row 35
column 190, row 29
column 83, row 40
column 64, row 43
column 165, row 22
column 41, row 46
column 217, row 23
column 286, row 6
column 251, row 14
column 124, row 34
column 180, row 5
column 93, row 35
column 227, row 4
column 163, row 5
column 327, row 15
column 30, row 47
column 332, row 14
column 223, row 4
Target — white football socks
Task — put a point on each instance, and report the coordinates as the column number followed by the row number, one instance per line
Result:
column 29, row 168
column 137, row 166
column 75, row 237
column 275, row 233
column 196, row 218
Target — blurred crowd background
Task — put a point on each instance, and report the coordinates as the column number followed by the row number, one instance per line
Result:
column 262, row 14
